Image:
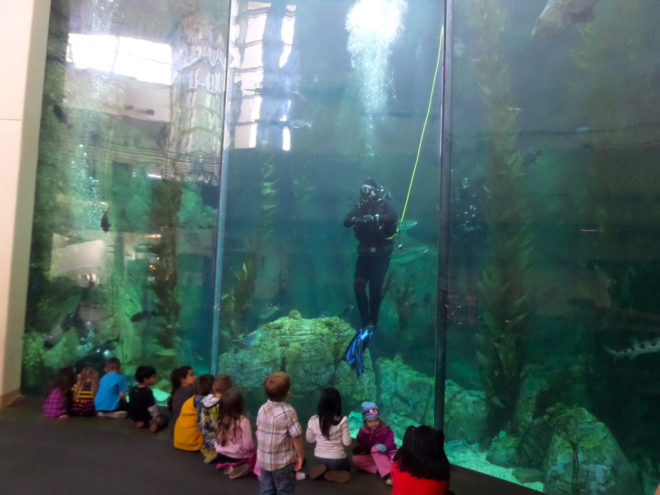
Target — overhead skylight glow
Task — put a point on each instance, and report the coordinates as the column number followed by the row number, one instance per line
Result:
column 144, row 60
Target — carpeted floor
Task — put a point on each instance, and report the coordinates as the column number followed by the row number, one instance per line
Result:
column 103, row 456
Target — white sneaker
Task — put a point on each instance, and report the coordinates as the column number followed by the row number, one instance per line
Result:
column 101, row 414
column 117, row 414
column 300, row 476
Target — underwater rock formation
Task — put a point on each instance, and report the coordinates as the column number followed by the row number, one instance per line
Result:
column 65, row 352
column 310, row 351
column 465, row 413
column 404, row 391
column 584, row 457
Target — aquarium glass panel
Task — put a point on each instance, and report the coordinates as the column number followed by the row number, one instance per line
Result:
column 125, row 221
column 321, row 96
column 553, row 343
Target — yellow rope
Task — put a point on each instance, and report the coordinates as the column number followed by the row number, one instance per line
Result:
column 421, row 138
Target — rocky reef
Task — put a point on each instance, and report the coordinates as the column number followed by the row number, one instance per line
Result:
column 309, row 350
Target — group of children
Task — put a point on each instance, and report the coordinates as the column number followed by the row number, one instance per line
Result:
column 207, row 415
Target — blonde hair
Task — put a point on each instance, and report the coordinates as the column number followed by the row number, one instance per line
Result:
column 88, row 373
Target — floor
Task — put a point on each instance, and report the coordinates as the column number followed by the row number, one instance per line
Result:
column 104, row 456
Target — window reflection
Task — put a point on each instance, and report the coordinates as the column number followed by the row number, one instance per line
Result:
column 144, row 60
column 259, row 108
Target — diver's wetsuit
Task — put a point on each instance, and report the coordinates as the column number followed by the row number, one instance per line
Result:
column 373, row 222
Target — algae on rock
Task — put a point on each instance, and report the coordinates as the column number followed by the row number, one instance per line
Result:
column 310, row 351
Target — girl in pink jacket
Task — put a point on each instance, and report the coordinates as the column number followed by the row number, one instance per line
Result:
column 237, row 454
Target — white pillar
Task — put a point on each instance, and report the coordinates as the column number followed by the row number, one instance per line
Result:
column 23, row 38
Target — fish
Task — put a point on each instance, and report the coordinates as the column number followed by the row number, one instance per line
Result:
column 143, row 315
column 105, row 223
column 346, row 311
column 558, row 15
column 61, row 114
column 409, row 254
column 240, row 343
column 269, row 311
column 530, row 157
column 406, row 225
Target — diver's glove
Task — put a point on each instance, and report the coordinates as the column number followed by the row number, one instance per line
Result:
column 381, row 447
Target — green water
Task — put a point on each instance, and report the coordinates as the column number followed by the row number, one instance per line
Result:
column 197, row 160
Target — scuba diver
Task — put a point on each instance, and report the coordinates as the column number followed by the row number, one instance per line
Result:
column 374, row 221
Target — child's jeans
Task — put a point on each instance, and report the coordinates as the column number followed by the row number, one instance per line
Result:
column 377, row 462
column 334, row 464
column 280, row 482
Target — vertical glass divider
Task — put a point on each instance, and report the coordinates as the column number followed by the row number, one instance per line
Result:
column 443, row 227
column 222, row 208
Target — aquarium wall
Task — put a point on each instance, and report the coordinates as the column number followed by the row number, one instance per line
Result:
column 552, row 336
column 125, row 223
column 198, row 159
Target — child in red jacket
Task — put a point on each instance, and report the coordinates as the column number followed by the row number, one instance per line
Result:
column 421, row 465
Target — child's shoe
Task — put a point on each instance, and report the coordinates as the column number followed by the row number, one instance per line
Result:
column 239, row 471
column 388, row 481
column 317, row 471
column 338, row 476
column 116, row 414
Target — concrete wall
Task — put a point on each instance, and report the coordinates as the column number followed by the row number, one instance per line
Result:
column 23, row 37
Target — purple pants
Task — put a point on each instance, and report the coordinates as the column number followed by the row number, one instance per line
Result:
column 377, row 462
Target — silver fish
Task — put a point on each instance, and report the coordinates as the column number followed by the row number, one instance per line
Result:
column 560, row 14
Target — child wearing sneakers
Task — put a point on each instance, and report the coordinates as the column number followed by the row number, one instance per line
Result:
column 329, row 430
column 110, row 400
column 279, row 438
column 375, row 444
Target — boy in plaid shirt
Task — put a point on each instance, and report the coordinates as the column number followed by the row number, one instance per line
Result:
column 279, row 438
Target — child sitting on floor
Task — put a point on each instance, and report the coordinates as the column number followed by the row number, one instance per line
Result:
column 421, row 465
column 183, row 379
column 207, row 416
column 85, row 391
column 329, row 430
column 58, row 400
column 186, row 432
column 375, row 444
column 142, row 409
column 234, row 443
column 110, row 400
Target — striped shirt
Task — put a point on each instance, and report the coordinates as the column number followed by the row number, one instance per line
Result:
column 277, row 424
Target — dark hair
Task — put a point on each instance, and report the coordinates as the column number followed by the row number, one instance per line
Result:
column 277, row 385
column 222, row 383
column 176, row 376
column 230, row 410
column 144, row 372
column 112, row 364
column 422, row 454
column 203, row 384
column 64, row 380
column 329, row 410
